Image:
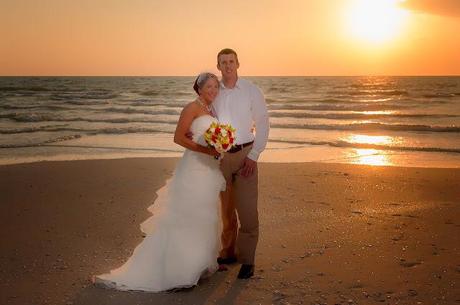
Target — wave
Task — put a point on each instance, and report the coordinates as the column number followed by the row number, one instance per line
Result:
column 84, row 96
column 340, row 143
column 52, row 128
column 68, row 105
column 368, row 86
column 58, row 95
column 36, row 144
column 131, row 110
column 13, row 107
column 152, row 103
column 33, row 117
column 436, row 95
column 368, row 103
column 38, row 107
column 81, row 102
column 81, row 132
column 174, row 108
column 336, row 100
column 372, row 92
column 357, row 115
column 332, row 107
column 150, row 93
column 31, row 88
column 136, row 129
column 370, row 126
column 333, row 100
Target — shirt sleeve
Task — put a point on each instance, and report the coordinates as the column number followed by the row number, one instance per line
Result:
column 261, row 122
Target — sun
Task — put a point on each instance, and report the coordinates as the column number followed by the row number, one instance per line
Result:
column 375, row 21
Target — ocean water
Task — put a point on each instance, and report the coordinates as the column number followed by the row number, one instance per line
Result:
column 407, row 121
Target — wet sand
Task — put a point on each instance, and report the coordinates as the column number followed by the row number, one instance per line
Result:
column 330, row 234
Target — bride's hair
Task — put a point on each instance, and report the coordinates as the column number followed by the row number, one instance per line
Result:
column 201, row 79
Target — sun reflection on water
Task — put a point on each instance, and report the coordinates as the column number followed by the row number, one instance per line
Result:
column 377, row 112
column 369, row 157
column 365, row 139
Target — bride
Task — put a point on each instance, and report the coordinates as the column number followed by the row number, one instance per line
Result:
column 182, row 237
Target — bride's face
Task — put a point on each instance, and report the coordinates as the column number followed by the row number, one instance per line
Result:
column 209, row 91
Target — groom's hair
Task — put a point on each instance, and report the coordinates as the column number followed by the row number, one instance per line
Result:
column 226, row 52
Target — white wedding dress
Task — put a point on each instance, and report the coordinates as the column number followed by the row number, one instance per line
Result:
column 182, row 237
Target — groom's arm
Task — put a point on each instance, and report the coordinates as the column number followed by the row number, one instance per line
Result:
column 262, row 124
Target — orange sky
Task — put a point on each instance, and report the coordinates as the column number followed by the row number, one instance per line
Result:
column 290, row 37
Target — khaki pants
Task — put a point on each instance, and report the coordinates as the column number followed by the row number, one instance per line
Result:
column 240, row 198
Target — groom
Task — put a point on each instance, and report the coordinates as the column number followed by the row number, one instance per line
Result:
column 241, row 104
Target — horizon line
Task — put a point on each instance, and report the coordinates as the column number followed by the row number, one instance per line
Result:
column 323, row 75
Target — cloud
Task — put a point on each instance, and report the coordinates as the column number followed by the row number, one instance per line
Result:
column 435, row 7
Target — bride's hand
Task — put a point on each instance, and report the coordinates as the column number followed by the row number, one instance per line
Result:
column 189, row 135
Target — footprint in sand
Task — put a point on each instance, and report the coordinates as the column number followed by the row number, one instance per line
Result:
column 409, row 264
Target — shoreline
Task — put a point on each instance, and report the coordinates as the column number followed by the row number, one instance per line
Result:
column 98, row 147
column 330, row 233
column 175, row 158
column 297, row 155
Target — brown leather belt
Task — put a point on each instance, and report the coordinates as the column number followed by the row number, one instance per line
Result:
column 239, row 147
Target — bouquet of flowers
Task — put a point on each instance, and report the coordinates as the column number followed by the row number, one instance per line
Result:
column 220, row 136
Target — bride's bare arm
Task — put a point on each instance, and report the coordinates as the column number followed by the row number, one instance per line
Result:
column 188, row 114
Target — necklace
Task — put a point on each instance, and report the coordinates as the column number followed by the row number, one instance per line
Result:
column 205, row 106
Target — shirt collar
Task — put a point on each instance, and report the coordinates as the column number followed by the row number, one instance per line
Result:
column 237, row 85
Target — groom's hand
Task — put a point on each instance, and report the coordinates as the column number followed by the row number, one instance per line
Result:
column 248, row 167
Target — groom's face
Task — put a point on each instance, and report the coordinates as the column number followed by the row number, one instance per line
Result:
column 228, row 65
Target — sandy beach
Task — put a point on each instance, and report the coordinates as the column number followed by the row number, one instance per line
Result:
column 330, row 234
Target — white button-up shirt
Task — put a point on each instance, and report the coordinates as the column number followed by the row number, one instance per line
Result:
column 244, row 108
